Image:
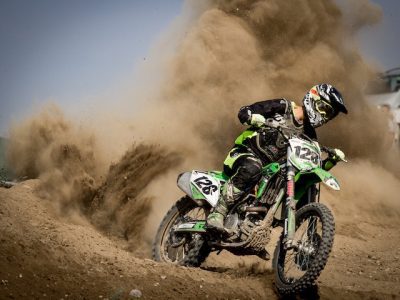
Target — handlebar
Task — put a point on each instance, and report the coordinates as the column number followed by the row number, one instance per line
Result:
column 331, row 152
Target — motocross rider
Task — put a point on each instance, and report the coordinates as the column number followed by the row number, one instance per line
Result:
column 262, row 144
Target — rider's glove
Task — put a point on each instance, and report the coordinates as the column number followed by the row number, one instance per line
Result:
column 338, row 155
column 257, row 120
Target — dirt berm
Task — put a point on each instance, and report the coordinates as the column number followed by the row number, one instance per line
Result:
column 43, row 256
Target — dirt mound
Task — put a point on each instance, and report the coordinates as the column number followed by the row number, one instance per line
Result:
column 45, row 256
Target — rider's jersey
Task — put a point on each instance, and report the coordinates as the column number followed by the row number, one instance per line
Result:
column 264, row 141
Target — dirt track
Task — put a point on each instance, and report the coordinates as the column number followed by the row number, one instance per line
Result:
column 43, row 256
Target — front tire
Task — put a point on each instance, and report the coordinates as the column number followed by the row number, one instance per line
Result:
column 297, row 270
column 193, row 249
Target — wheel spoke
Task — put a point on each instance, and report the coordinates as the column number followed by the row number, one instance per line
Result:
column 311, row 227
column 291, row 262
column 296, row 263
column 297, row 268
column 178, row 254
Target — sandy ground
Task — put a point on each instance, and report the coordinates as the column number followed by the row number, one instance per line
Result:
column 45, row 256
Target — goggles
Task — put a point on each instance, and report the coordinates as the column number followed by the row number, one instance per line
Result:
column 325, row 109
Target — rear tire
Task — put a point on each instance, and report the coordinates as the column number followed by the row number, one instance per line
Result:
column 195, row 248
column 316, row 259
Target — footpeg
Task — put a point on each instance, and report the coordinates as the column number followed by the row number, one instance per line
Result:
column 264, row 255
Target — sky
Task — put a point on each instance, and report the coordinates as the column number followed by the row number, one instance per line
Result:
column 381, row 43
column 67, row 51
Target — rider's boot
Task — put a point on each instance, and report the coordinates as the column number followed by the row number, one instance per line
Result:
column 216, row 219
column 227, row 198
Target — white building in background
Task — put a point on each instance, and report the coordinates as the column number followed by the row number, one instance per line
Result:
column 391, row 103
column 388, row 99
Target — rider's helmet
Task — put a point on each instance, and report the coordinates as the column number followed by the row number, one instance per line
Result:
column 322, row 103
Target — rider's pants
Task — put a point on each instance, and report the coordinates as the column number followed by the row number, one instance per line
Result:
column 244, row 169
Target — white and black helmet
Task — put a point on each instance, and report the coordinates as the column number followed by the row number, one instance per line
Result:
column 322, row 103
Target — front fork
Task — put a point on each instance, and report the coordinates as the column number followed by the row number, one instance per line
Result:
column 290, row 204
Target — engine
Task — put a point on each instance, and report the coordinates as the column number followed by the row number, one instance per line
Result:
column 251, row 220
column 243, row 228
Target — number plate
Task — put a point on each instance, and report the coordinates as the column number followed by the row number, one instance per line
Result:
column 305, row 155
column 207, row 185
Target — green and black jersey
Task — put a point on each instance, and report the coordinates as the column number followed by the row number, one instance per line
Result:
column 265, row 141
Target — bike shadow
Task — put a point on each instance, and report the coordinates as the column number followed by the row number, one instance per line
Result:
column 239, row 271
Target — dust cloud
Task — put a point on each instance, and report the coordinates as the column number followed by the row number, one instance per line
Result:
column 243, row 51
column 228, row 54
column 64, row 156
column 79, row 181
column 369, row 193
column 238, row 52
column 119, row 206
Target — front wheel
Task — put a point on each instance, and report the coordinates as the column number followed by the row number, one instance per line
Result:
column 177, row 248
column 296, row 269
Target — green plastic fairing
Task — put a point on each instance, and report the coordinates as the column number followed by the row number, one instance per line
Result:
column 196, row 193
column 268, row 171
column 221, row 176
column 306, row 179
column 245, row 135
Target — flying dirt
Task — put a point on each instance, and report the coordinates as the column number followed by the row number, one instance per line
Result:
column 82, row 225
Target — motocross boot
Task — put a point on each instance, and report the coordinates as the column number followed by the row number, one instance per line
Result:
column 216, row 219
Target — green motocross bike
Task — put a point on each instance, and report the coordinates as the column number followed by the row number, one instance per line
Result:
column 286, row 196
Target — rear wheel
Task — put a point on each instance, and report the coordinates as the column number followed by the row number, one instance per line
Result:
column 177, row 248
column 297, row 269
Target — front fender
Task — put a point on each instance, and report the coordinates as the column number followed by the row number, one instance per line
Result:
column 306, row 179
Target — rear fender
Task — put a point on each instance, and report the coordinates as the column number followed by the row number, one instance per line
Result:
column 202, row 187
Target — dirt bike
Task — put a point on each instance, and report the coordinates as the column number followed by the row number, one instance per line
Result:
column 287, row 195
